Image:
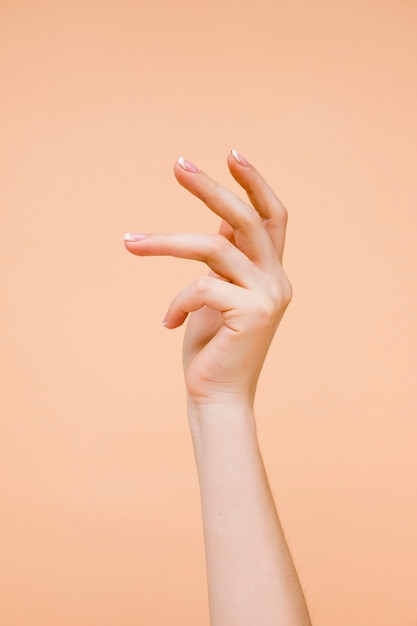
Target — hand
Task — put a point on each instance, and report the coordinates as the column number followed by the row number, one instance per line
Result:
column 236, row 309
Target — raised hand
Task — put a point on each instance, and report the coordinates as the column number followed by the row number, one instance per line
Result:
column 234, row 312
column 236, row 308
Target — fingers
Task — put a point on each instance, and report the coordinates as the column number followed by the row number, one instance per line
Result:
column 249, row 232
column 262, row 198
column 235, row 304
column 215, row 250
column 227, row 231
column 250, row 236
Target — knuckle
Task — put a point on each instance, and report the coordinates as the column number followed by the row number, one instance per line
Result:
column 265, row 311
column 283, row 214
column 202, row 284
column 280, row 217
column 280, row 292
column 219, row 244
column 287, row 292
column 278, row 212
column 249, row 219
column 286, row 295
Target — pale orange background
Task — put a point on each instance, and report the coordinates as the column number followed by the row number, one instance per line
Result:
column 100, row 520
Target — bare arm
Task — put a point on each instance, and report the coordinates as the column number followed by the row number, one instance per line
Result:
column 235, row 311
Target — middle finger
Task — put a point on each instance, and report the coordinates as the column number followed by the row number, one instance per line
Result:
column 250, row 234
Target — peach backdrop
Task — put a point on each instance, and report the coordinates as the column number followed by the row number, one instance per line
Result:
column 100, row 521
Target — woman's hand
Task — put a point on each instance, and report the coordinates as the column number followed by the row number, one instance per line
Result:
column 235, row 310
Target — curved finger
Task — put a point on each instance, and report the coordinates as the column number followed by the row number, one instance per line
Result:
column 238, row 306
column 250, row 233
column 215, row 250
column 262, row 198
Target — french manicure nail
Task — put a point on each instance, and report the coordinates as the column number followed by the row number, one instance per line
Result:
column 135, row 236
column 240, row 158
column 188, row 166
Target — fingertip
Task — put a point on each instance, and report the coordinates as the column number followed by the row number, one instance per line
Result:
column 181, row 173
column 187, row 165
column 128, row 245
column 135, row 237
column 241, row 169
column 174, row 319
column 242, row 160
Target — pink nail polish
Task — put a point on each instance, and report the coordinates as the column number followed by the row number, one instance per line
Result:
column 240, row 158
column 188, row 166
column 135, row 236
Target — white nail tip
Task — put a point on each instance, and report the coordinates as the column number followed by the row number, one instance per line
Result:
column 128, row 237
column 181, row 161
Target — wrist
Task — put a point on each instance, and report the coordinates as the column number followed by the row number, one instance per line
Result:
column 220, row 417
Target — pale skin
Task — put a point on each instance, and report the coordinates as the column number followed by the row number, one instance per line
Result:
column 233, row 314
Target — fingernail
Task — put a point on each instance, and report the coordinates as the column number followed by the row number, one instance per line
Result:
column 240, row 158
column 188, row 166
column 164, row 321
column 135, row 236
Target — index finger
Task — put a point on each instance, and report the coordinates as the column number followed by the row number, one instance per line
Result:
column 250, row 234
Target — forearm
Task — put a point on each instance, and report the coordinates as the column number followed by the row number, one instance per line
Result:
column 251, row 576
column 235, row 312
